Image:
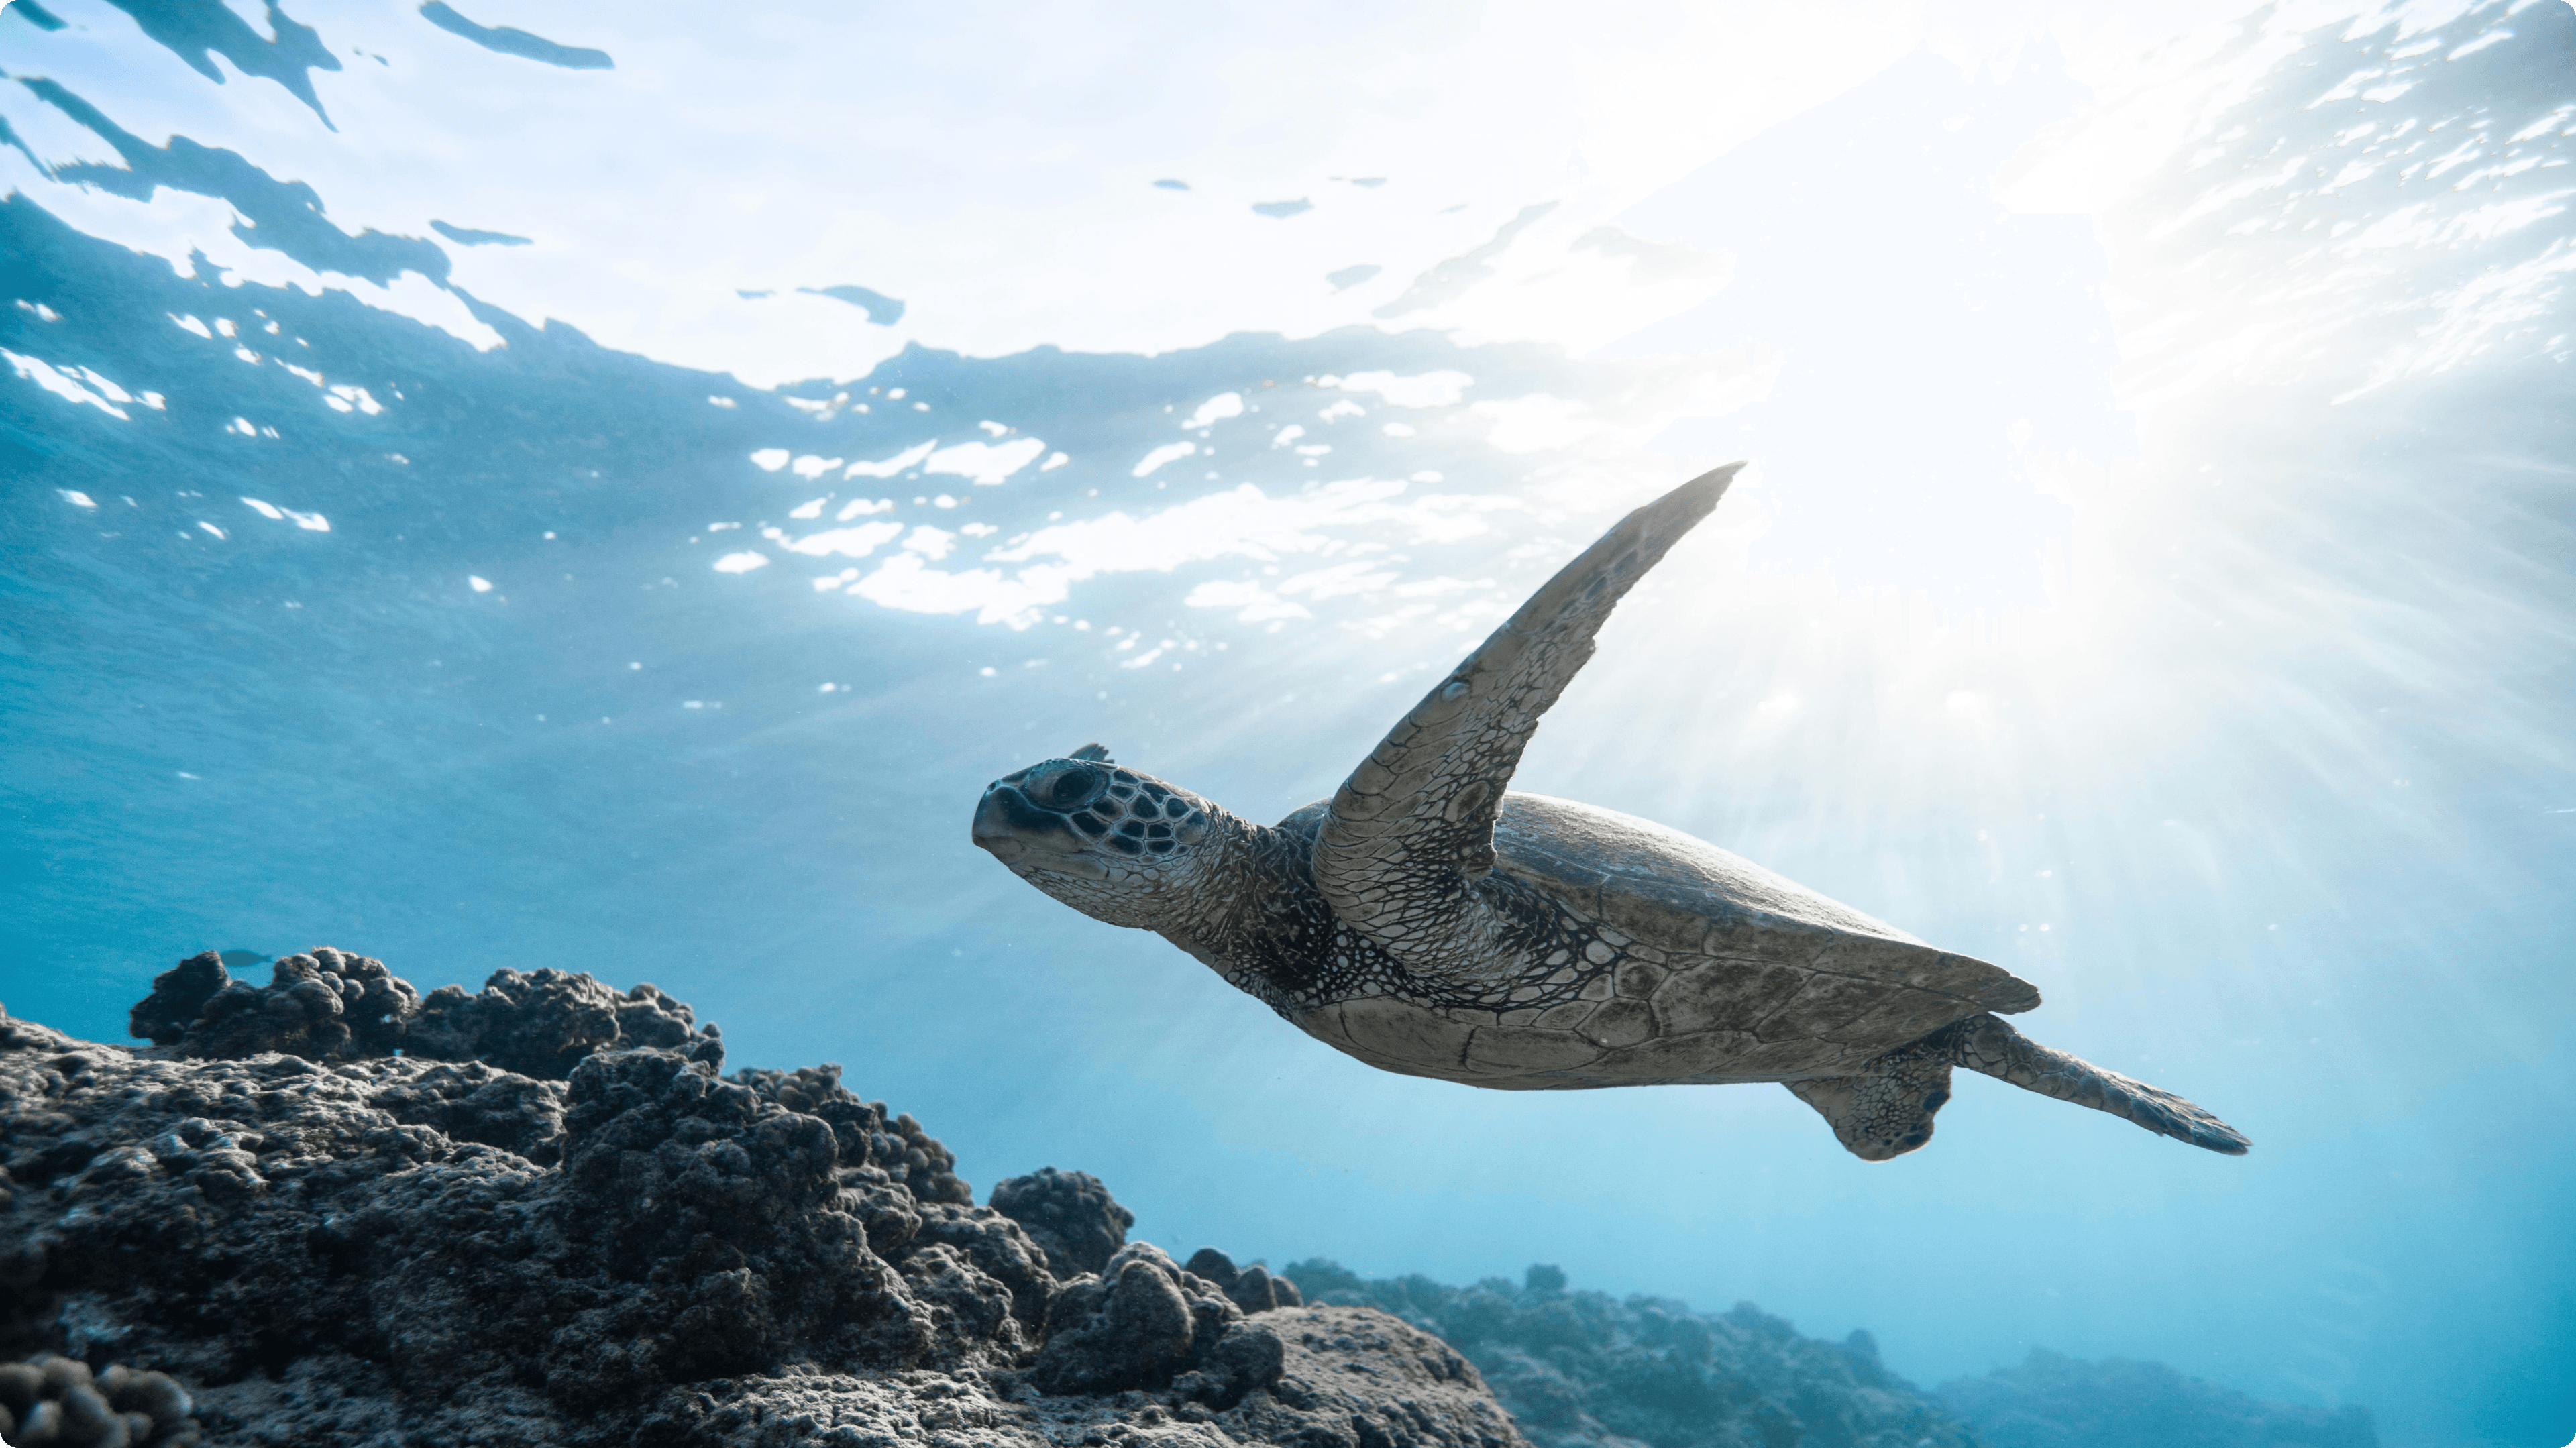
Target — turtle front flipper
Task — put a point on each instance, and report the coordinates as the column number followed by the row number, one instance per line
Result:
column 1413, row 827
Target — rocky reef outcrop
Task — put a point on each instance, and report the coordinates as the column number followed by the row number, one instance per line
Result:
column 2050, row 1401
column 1586, row 1370
column 57, row 1402
column 1069, row 1213
column 325, row 1006
column 553, row 1220
column 333, row 1005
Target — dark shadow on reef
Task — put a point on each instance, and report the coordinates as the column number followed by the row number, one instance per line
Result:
column 329, row 1209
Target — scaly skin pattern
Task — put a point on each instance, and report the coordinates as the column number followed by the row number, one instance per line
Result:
column 1241, row 897
column 1567, row 1002
column 1275, row 938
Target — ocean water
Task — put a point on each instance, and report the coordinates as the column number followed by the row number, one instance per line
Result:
column 538, row 486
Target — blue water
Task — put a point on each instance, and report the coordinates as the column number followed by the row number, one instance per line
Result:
column 2168, row 598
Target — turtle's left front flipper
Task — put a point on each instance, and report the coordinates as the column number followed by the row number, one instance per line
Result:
column 1414, row 825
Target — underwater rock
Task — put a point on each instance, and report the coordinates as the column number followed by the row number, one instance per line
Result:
column 867, row 1132
column 470, row 1101
column 542, row 1023
column 1354, row 1378
column 996, row 1247
column 56, row 1402
column 1070, row 1214
column 1252, row 1288
column 324, row 1005
column 374, row 1249
column 1325, row 1377
column 178, row 994
column 1585, row 1370
column 1139, row 1323
column 2058, row 1402
column 330, row 1005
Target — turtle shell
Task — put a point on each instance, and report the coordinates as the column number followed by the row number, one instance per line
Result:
column 1718, row 971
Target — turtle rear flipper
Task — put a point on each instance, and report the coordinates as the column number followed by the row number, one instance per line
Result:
column 1983, row 1043
column 1885, row 1108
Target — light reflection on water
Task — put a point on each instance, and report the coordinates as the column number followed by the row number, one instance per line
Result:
column 2152, row 577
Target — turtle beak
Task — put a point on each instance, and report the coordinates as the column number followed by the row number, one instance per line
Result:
column 1023, row 836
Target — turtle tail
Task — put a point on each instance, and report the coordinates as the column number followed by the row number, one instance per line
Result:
column 1985, row 1044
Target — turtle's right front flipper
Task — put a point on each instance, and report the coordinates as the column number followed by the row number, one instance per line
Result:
column 1413, row 826
column 1984, row 1044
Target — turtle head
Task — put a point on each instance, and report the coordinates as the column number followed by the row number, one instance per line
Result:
column 1112, row 843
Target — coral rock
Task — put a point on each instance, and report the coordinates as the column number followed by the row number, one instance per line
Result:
column 179, row 995
column 330, row 1005
column 55, row 1402
column 1070, row 1214
column 1251, row 1288
column 377, row 1249
column 2051, row 1400
column 1362, row 1379
column 542, row 1023
column 1138, row 1324
column 1585, row 1370
column 326, row 1005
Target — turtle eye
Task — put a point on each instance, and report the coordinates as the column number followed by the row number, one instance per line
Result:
column 1067, row 788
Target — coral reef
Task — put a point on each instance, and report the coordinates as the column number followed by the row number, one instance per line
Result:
column 324, row 1006
column 1140, row 1321
column 1069, row 1213
column 2057, row 1402
column 1252, row 1288
column 332, row 1005
column 589, row 1242
column 179, row 994
column 1336, row 1377
column 55, row 1402
column 541, row 1023
column 1584, row 1370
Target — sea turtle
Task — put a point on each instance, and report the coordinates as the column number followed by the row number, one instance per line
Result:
column 1427, row 922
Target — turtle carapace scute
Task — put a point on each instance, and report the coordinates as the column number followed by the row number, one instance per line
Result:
column 1426, row 921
